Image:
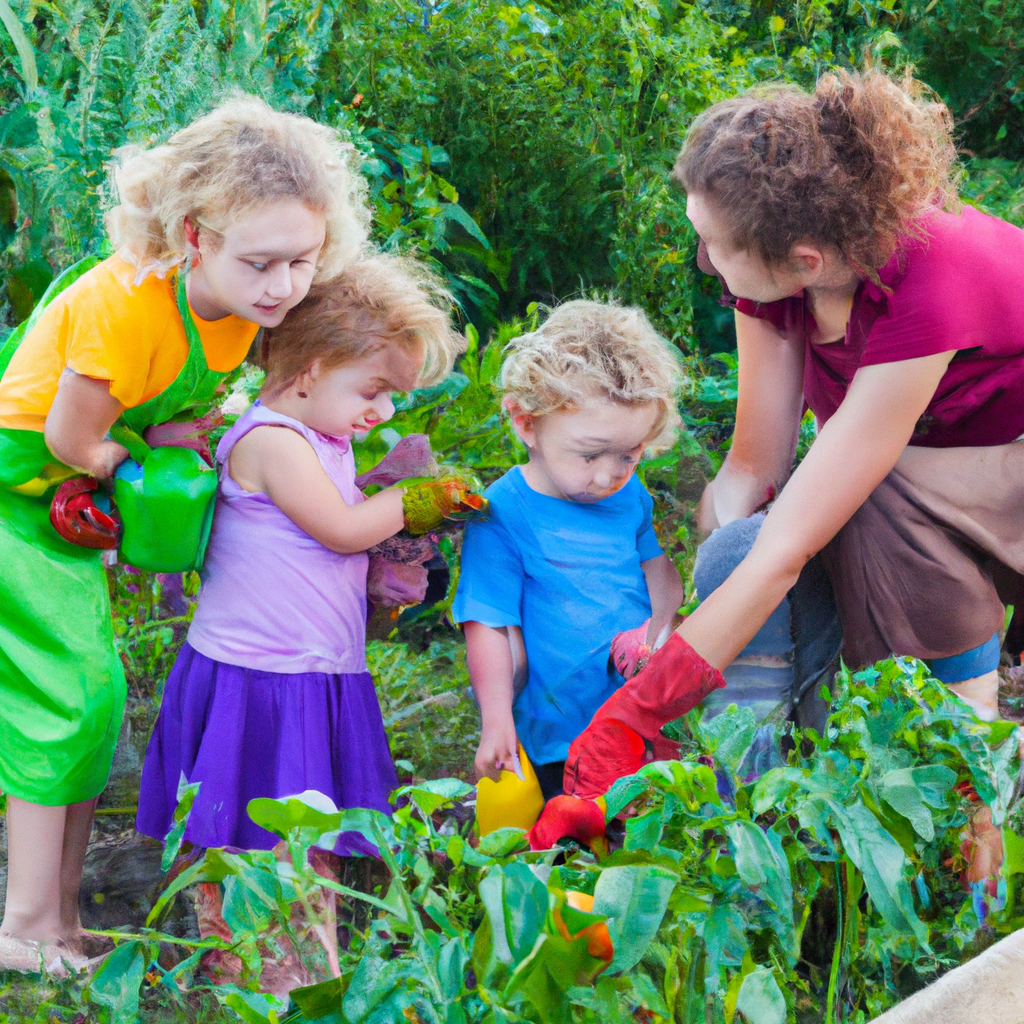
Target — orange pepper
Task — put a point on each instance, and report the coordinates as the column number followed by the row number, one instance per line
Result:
column 599, row 940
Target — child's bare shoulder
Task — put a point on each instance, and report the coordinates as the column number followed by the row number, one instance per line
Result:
column 263, row 448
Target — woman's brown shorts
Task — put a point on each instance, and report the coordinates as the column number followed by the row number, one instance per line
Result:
column 927, row 564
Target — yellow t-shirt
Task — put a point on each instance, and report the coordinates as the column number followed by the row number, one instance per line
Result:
column 106, row 326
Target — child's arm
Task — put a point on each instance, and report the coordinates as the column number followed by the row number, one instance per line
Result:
column 666, row 592
column 82, row 413
column 494, row 657
column 280, row 463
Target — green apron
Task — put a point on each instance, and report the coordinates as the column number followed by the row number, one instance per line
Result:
column 62, row 685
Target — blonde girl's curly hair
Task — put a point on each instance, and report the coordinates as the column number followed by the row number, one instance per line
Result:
column 587, row 350
column 376, row 301
column 853, row 165
column 238, row 158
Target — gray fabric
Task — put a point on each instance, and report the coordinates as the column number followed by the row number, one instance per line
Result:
column 716, row 559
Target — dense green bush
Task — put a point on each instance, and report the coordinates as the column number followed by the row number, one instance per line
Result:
column 556, row 123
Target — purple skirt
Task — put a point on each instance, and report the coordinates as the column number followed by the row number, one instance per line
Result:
column 244, row 733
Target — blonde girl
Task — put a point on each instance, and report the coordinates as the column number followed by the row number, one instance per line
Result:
column 219, row 232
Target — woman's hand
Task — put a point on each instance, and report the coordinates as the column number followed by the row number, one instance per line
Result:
column 82, row 413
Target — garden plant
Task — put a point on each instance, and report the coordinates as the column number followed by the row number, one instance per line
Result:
column 771, row 874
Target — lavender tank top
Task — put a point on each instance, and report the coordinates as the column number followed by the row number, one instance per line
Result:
column 273, row 598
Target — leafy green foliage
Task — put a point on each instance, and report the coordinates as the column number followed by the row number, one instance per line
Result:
column 710, row 903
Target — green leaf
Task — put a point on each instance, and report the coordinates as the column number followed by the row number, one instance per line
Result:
column 724, row 931
column 451, row 968
column 623, row 792
column 503, row 842
column 187, row 794
column 910, row 791
column 281, row 816
column 26, row 54
column 456, row 213
column 760, row 999
column 252, row 1007
column 762, row 865
column 118, row 982
column 728, row 736
column 525, row 907
column 491, row 890
column 883, row 864
column 634, row 897
column 319, row 1000
column 250, row 899
column 373, row 981
column 434, row 794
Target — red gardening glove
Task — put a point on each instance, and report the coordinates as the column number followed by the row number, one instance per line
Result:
column 674, row 681
column 630, row 650
column 75, row 516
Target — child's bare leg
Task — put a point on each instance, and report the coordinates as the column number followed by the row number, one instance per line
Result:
column 325, row 907
column 77, row 828
column 35, row 853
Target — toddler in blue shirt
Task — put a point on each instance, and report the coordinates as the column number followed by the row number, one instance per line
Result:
column 567, row 558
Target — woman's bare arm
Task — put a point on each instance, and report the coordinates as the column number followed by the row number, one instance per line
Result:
column 767, row 424
column 82, row 413
column 852, row 454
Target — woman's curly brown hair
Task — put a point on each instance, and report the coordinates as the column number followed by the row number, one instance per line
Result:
column 852, row 165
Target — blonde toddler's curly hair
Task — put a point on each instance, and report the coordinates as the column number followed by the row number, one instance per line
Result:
column 587, row 350
column 376, row 301
column 238, row 158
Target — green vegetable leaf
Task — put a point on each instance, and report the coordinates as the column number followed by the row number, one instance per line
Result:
column 634, row 897
column 760, row 999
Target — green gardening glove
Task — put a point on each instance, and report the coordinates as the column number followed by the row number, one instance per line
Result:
column 428, row 502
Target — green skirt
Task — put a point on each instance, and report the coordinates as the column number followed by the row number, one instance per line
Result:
column 62, row 686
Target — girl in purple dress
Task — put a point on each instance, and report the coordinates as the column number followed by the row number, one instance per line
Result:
column 270, row 696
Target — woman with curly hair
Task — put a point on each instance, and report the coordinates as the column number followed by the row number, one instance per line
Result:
column 864, row 294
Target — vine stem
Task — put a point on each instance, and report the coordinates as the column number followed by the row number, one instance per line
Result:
column 837, row 951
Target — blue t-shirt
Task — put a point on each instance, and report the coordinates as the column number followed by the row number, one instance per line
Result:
column 568, row 574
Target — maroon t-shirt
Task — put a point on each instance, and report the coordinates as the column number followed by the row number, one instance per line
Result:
column 961, row 287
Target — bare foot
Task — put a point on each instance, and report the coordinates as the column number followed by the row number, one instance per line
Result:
column 982, row 845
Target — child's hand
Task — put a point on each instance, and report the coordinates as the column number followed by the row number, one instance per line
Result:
column 427, row 503
column 631, row 650
column 499, row 748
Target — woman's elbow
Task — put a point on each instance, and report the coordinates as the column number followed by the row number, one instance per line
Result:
column 779, row 565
